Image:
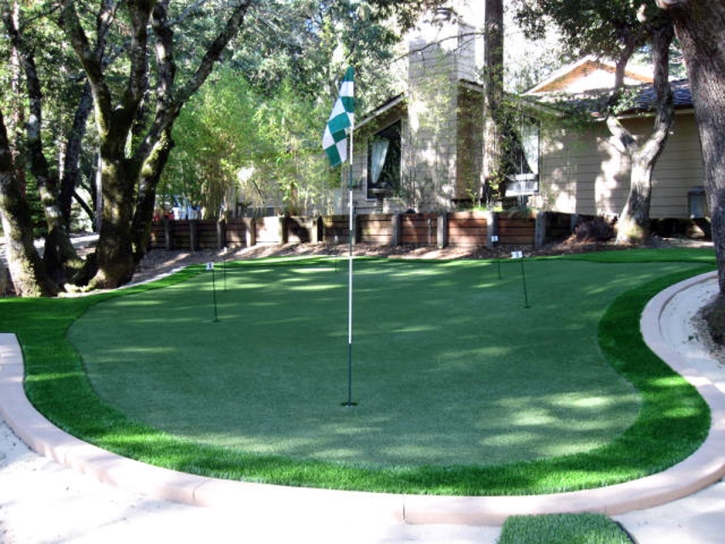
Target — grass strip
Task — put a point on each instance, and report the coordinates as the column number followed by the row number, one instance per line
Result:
column 562, row 529
column 673, row 421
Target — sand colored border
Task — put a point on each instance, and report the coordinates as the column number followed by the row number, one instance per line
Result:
column 701, row 469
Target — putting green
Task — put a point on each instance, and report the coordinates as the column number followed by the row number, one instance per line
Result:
column 449, row 366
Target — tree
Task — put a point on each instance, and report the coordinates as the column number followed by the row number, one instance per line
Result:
column 494, row 129
column 699, row 25
column 26, row 268
column 140, row 62
column 261, row 115
column 29, row 145
column 129, row 179
column 617, row 29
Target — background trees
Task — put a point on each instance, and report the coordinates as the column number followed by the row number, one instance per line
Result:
column 141, row 62
column 254, row 130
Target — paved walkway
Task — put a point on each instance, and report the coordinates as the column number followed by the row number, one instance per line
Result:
column 40, row 501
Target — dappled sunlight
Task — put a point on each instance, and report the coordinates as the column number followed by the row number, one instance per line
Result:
column 315, row 288
column 449, row 367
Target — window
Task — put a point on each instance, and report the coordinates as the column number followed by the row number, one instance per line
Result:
column 523, row 170
column 384, row 162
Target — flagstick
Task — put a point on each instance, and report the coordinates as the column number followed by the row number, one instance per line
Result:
column 351, row 235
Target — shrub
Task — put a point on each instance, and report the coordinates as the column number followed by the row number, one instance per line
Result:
column 597, row 229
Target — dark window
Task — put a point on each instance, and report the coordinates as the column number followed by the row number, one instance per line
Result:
column 384, row 162
column 523, row 170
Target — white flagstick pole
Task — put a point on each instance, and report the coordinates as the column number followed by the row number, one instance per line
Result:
column 351, row 234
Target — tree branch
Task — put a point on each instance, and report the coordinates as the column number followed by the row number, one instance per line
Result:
column 90, row 58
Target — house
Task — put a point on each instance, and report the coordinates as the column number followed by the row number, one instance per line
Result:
column 581, row 168
column 423, row 149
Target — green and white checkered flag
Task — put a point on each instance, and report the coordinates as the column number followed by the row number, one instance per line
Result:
column 342, row 120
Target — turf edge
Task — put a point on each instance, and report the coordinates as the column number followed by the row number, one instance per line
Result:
column 673, row 422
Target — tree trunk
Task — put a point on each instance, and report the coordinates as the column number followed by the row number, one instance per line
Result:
column 4, row 277
column 71, row 162
column 24, row 263
column 633, row 224
column 150, row 176
column 114, row 252
column 58, row 249
column 699, row 26
column 494, row 129
column 122, row 176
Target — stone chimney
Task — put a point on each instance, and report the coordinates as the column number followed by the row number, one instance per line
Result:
column 442, row 53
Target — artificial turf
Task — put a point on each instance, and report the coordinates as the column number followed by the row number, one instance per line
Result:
column 562, row 529
column 460, row 388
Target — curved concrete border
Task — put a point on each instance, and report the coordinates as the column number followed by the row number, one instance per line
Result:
column 704, row 467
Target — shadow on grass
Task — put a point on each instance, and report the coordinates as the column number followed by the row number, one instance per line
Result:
column 672, row 422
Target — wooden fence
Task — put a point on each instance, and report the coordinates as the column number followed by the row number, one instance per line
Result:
column 468, row 229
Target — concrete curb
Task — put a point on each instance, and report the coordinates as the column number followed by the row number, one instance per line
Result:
column 701, row 469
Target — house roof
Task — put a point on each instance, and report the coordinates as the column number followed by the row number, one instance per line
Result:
column 382, row 108
column 681, row 96
column 586, row 86
column 640, row 99
column 587, row 74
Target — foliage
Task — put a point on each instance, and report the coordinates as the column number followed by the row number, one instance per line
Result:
column 598, row 229
column 234, row 145
column 289, row 131
column 562, row 529
column 55, row 374
column 587, row 26
column 214, row 137
column 280, row 65
column 42, row 116
column 308, row 44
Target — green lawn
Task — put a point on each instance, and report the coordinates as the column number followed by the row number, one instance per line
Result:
column 460, row 388
column 562, row 529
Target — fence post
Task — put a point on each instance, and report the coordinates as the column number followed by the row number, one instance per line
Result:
column 193, row 235
column 168, row 238
column 442, row 230
column 282, row 229
column 540, row 228
column 251, row 231
column 221, row 234
column 574, row 220
column 491, row 229
column 396, row 228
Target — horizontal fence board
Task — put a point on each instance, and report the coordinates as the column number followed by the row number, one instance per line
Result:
column 460, row 228
column 236, row 233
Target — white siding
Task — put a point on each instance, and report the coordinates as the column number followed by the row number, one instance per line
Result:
column 584, row 172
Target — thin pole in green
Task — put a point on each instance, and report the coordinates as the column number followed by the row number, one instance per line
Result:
column 520, row 255
column 351, row 237
column 210, row 266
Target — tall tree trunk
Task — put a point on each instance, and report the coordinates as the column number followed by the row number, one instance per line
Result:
column 71, row 161
column 114, row 252
column 24, row 263
column 150, row 177
column 58, row 247
column 494, row 130
column 633, row 224
column 699, row 26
